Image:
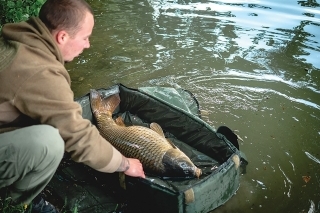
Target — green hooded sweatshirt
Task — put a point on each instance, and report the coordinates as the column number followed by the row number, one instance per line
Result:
column 35, row 89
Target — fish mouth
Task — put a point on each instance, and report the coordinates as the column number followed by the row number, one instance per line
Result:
column 177, row 164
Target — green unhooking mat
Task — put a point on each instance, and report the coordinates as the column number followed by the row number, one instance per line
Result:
column 215, row 152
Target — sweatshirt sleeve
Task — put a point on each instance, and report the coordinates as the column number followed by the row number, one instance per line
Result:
column 47, row 97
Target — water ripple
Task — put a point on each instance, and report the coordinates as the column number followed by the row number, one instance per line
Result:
column 244, row 76
column 312, row 207
column 288, row 180
column 312, row 157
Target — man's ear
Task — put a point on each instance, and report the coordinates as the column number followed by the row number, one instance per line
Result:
column 62, row 37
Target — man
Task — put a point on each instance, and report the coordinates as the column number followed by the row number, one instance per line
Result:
column 39, row 119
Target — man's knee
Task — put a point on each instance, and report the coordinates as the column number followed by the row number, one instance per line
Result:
column 43, row 142
column 48, row 140
column 35, row 139
column 35, row 148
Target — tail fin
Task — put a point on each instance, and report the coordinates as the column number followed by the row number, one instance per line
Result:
column 98, row 104
column 112, row 102
column 96, row 101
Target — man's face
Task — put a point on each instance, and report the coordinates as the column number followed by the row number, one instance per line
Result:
column 74, row 46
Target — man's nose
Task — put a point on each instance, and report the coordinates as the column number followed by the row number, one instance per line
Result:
column 87, row 44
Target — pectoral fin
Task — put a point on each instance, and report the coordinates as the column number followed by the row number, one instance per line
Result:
column 172, row 144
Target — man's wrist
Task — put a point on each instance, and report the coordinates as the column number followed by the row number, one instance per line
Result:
column 124, row 166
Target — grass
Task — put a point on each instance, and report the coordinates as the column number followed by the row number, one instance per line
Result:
column 7, row 207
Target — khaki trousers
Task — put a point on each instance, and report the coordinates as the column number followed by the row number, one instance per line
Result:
column 29, row 158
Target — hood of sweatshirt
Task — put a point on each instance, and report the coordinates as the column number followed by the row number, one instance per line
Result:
column 32, row 33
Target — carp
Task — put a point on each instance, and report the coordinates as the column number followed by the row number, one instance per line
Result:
column 158, row 155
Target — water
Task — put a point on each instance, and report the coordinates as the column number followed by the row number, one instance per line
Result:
column 253, row 65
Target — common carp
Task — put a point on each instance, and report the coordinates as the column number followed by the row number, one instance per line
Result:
column 158, row 155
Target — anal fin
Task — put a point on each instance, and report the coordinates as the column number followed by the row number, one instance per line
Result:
column 119, row 121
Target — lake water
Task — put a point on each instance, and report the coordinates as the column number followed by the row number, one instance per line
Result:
column 253, row 66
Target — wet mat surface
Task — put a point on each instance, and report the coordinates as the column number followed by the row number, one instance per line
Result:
column 74, row 186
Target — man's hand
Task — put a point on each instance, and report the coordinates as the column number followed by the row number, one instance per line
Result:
column 135, row 168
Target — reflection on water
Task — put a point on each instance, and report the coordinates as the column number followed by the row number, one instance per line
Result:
column 253, row 65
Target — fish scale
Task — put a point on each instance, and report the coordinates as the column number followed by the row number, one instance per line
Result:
column 157, row 155
column 133, row 145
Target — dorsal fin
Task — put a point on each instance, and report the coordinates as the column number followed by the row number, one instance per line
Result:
column 119, row 121
column 157, row 128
